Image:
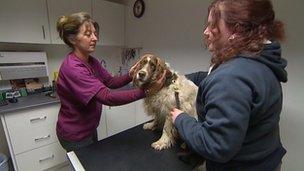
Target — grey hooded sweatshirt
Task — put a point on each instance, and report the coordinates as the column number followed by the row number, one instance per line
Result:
column 239, row 105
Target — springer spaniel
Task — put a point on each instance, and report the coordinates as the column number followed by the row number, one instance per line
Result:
column 145, row 73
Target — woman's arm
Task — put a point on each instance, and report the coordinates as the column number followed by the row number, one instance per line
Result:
column 197, row 77
column 116, row 98
column 117, row 81
column 227, row 112
column 114, row 82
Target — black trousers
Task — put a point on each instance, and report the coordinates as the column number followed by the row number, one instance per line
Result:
column 74, row 145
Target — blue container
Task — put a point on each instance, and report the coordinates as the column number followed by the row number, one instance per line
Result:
column 3, row 162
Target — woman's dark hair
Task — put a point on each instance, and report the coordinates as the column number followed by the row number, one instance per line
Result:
column 253, row 21
column 69, row 26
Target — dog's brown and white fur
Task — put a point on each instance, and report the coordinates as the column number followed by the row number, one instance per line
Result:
column 145, row 73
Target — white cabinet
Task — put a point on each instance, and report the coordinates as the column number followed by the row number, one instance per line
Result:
column 57, row 8
column 102, row 128
column 34, row 21
column 110, row 17
column 140, row 114
column 32, row 140
column 24, row 21
column 120, row 118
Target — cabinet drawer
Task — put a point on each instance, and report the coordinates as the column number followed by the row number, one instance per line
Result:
column 34, row 118
column 23, row 141
column 41, row 158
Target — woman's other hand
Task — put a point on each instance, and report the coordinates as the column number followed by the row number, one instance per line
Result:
column 174, row 113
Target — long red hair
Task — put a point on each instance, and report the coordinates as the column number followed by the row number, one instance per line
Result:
column 252, row 20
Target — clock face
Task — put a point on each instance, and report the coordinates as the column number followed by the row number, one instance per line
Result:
column 139, row 8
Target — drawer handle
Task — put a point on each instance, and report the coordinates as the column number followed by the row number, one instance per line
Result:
column 42, row 138
column 37, row 119
column 47, row 158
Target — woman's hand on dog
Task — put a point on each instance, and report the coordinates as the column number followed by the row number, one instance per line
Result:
column 174, row 113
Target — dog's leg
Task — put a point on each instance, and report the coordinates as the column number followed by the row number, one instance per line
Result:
column 150, row 125
column 167, row 138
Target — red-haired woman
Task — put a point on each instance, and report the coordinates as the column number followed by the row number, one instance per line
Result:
column 240, row 100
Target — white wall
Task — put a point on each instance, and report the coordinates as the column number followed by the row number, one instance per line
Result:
column 292, row 119
column 173, row 30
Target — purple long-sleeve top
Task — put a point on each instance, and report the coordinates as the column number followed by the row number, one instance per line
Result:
column 82, row 88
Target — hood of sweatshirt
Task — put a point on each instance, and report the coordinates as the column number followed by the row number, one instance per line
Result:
column 271, row 57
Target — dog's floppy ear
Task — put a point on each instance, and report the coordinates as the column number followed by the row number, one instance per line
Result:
column 133, row 72
column 160, row 66
column 134, row 69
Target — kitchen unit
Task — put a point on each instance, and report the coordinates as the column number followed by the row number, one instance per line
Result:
column 31, row 136
column 29, row 120
column 35, row 20
column 24, row 22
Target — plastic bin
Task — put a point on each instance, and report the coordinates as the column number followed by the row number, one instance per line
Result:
column 3, row 162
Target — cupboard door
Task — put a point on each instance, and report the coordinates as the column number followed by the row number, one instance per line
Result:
column 58, row 8
column 141, row 116
column 120, row 118
column 24, row 21
column 110, row 17
column 102, row 128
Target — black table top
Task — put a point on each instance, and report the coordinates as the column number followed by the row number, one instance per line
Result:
column 130, row 150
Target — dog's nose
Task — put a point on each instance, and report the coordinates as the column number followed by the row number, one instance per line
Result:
column 141, row 74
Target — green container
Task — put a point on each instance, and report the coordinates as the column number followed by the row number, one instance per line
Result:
column 23, row 92
column 2, row 95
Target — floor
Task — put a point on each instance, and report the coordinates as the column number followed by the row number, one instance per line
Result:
column 65, row 168
column 62, row 167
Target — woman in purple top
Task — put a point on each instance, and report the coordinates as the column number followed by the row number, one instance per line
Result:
column 83, row 84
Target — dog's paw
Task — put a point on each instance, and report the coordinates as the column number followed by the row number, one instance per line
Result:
column 161, row 145
column 149, row 126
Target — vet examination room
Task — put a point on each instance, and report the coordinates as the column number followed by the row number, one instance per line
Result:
column 132, row 85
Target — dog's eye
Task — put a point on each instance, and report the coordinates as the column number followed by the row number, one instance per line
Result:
column 142, row 63
column 145, row 61
column 152, row 65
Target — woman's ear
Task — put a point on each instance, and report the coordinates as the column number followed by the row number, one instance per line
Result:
column 72, row 40
column 232, row 37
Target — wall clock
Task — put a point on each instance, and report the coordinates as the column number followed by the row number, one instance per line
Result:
column 139, row 8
